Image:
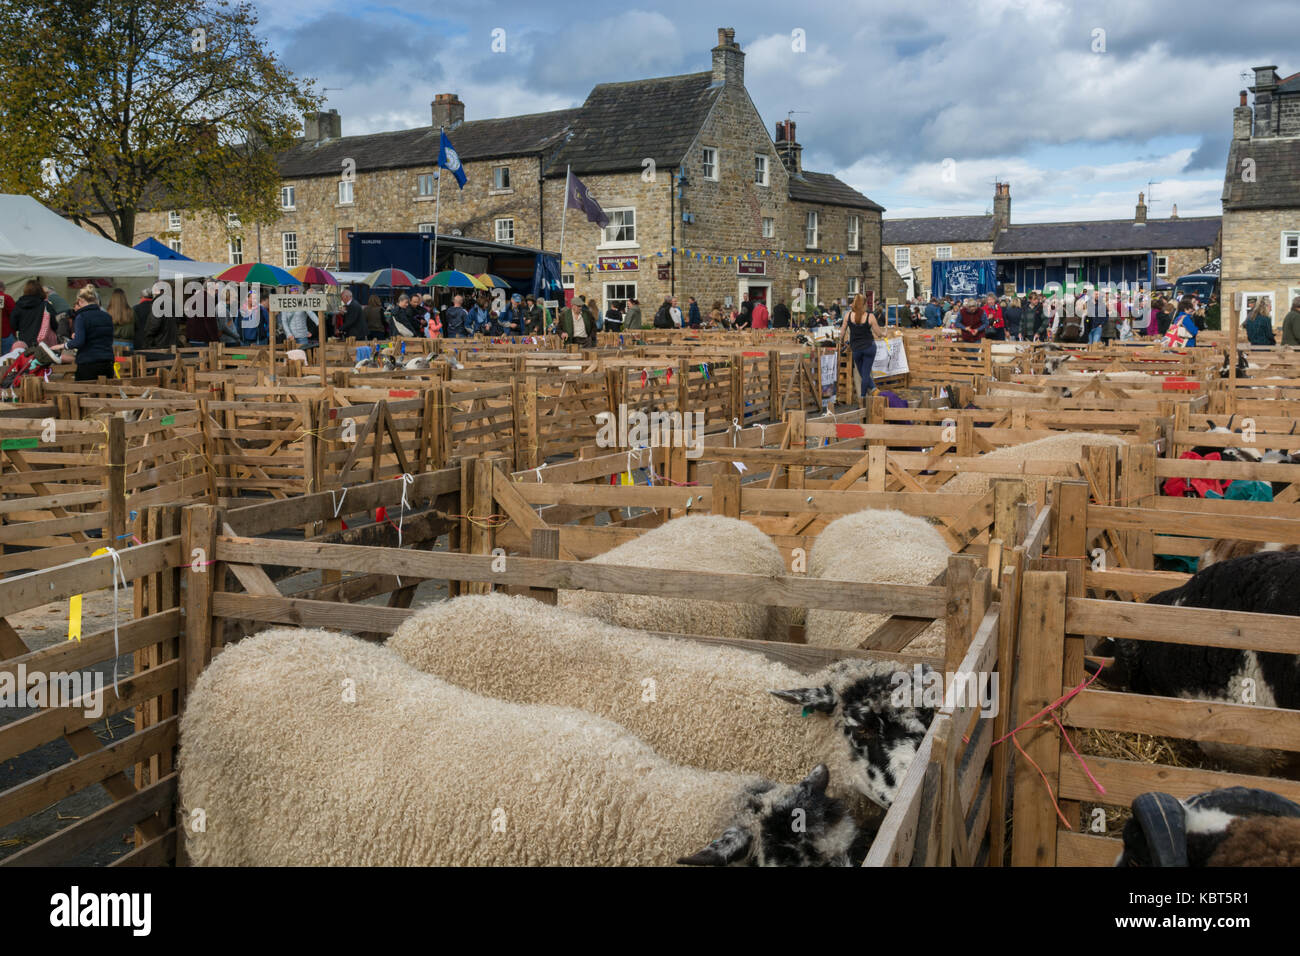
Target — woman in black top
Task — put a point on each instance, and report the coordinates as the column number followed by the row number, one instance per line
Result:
column 860, row 329
column 92, row 338
column 373, row 313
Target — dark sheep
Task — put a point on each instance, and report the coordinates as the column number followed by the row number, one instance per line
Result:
column 1235, row 826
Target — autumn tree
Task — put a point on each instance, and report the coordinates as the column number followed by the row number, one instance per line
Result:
column 112, row 107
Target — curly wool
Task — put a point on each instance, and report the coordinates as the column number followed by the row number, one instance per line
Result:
column 1067, row 446
column 1259, row 841
column 876, row 546
column 705, row 543
column 418, row 772
column 698, row 704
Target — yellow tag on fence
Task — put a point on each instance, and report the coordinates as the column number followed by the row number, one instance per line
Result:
column 74, row 608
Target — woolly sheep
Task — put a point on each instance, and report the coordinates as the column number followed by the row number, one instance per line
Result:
column 306, row 748
column 1235, row 826
column 711, row 706
column 1266, row 582
column 704, row 543
column 1067, row 446
column 876, row 546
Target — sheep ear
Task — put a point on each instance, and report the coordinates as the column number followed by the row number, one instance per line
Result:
column 818, row 779
column 1164, row 824
column 809, row 698
column 728, row 848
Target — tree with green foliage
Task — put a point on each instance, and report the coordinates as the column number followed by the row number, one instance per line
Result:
column 113, row 107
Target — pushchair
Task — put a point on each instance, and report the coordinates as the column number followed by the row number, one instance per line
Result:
column 22, row 362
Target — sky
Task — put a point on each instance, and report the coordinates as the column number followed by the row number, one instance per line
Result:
column 919, row 105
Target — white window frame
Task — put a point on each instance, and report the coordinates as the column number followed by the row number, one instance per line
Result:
column 235, row 251
column 1246, row 306
column 607, row 298
column 902, row 258
column 853, row 285
column 810, row 292
column 769, row 227
column 292, row 194
column 1289, row 234
column 497, row 230
column 350, row 191
column 606, row 242
column 424, row 227
column 173, row 219
column 812, row 230
column 1162, row 265
column 174, row 245
column 501, row 187
column 709, row 160
column 762, row 170
column 567, row 280
column 943, row 252
column 232, row 220
column 424, row 180
column 855, row 233
column 289, row 249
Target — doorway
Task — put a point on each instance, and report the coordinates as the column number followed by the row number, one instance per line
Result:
column 758, row 291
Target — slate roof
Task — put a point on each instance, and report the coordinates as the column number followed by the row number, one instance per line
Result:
column 903, row 232
column 825, row 189
column 1290, row 84
column 1107, row 235
column 474, row 140
column 623, row 124
column 1277, row 174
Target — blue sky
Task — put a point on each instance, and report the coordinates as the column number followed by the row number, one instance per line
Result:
column 918, row 105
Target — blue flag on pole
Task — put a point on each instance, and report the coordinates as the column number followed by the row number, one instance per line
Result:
column 449, row 159
column 579, row 198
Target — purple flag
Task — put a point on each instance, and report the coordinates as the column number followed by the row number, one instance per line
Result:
column 579, row 198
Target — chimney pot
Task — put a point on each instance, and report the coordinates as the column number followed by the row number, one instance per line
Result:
column 728, row 59
column 1243, row 98
column 447, row 110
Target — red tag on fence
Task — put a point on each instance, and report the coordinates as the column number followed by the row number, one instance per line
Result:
column 1172, row 386
column 381, row 514
column 401, row 393
column 850, row 431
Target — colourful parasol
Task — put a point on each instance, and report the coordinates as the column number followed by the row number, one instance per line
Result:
column 313, row 275
column 453, row 279
column 260, row 272
column 390, row 279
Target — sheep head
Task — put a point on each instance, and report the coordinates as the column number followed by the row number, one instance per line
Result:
column 787, row 825
column 883, row 732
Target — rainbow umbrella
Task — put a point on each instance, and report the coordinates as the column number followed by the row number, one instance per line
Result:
column 491, row 281
column 390, row 279
column 453, row 279
column 260, row 272
column 313, row 275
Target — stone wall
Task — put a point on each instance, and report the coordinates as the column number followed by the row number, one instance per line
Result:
column 1252, row 258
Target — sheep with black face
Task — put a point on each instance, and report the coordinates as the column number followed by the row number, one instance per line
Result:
column 306, row 748
column 1236, row 826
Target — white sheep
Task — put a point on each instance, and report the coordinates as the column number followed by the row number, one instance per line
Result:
column 704, row 705
column 876, row 546
column 306, row 748
column 1066, row 447
column 704, row 543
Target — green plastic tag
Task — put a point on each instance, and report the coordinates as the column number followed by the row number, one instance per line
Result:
column 20, row 443
column 169, row 420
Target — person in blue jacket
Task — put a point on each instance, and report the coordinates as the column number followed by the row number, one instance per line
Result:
column 1187, row 320
column 92, row 338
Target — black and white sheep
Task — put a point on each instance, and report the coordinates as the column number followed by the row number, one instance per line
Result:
column 1236, row 826
column 1267, row 582
column 307, row 748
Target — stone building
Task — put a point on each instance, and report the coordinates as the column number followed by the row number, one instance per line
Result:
column 1261, row 198
column 702, row 200
column 1138, row 250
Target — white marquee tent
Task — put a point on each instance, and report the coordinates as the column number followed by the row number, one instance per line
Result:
column 37, row 242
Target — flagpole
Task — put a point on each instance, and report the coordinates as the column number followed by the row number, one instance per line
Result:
column 437, row 204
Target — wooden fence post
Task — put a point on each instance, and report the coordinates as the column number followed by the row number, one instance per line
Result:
column 775, row 395
column 796, row 429
column 726, row 495
column 482, row 535
column 959, row 583
column 115, row 460
column 545, row 544
column 1038, row 683
column 1137, row 487
column 199, row 527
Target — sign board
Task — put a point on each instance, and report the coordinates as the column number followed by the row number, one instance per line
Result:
column 830, row 370
column 663, row 273
column 618, row 263
column 891, row 357
column 751, row 267
column 311, row 302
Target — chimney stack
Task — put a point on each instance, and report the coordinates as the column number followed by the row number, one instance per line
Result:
column 1173, row 213
column 1001, row 207
column 791, row 152
column 448, row 111
column 317, row 127
column 1266, row 111
column 1241, row 119
column 1140, row 214
column 728, row 61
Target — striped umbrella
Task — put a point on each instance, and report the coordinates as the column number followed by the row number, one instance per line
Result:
column 491, row 281
column 390, row 279
column 313, row 275
column 453, row 279
column 260, row 272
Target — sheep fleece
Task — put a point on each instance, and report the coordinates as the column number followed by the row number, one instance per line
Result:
column 706, row 543
column 416, row 771
column 877, row 546
column 1067, row 446
column 698, row 704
